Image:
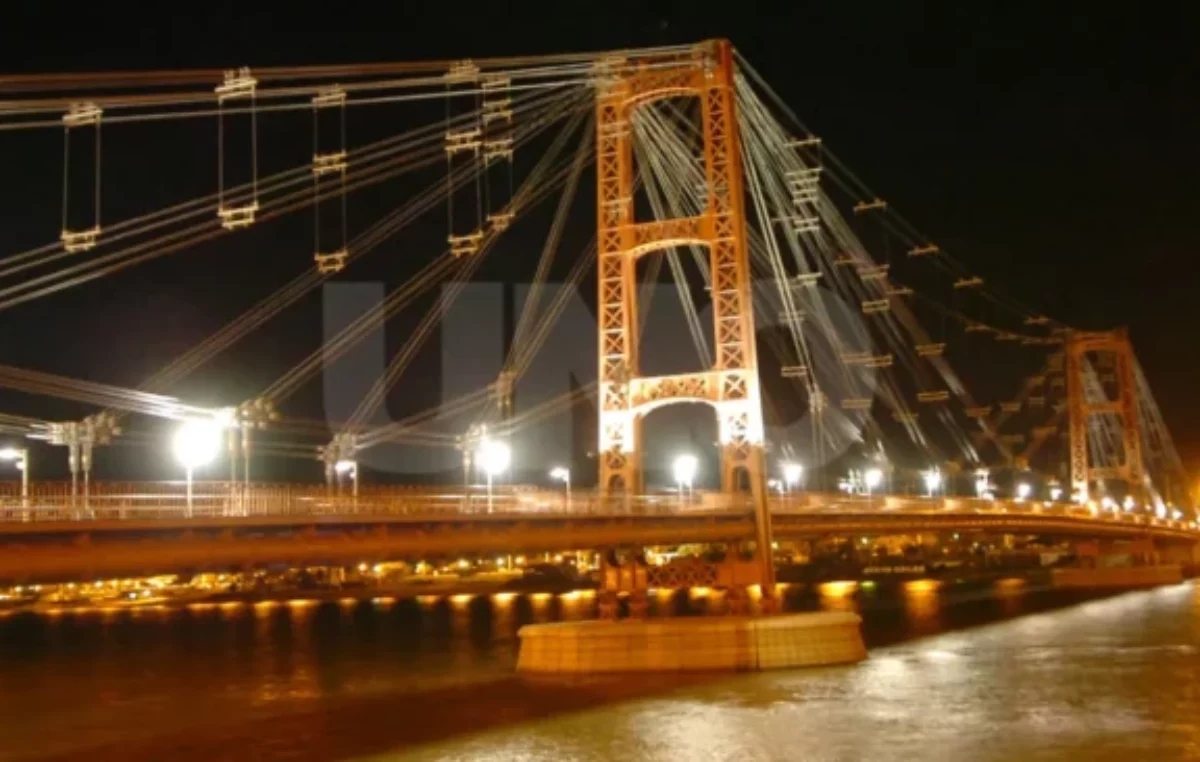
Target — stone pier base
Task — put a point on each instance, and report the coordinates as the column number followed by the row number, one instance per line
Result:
column 732, row 643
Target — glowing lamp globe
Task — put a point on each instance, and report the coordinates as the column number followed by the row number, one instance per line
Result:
column 684, row 469
column 873, row 478
column 933, row 480
column 197, row 443
column 493, row 456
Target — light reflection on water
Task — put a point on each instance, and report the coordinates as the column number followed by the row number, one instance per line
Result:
column 1095, row 680
column 1020, row 689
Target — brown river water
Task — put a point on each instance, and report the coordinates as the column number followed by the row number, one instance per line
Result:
column 1003, row 673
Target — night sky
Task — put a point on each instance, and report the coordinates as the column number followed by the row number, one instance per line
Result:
column 1056, row 152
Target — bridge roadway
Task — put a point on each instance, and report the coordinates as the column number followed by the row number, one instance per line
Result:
column 141, row 529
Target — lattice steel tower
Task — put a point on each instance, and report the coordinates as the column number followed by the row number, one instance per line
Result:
column 731, row 385
column 1132, row 467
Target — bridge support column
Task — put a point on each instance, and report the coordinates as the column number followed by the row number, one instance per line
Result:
column 1081, row 406
column 737, row 601
column 85, row 465
column 639, row 604
column 73, row 465
column 732, row 384
column 608, row 604
column 749, row 462
column 622, row 575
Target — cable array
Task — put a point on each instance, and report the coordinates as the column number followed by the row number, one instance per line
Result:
column 870, row 316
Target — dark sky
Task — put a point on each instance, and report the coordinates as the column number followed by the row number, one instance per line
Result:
column 1054, row 149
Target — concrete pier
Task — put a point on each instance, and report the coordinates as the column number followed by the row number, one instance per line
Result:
column 727, row 643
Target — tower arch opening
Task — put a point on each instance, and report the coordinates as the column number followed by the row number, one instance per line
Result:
column 681, row 429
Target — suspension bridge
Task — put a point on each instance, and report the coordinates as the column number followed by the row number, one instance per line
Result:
column 827, row 307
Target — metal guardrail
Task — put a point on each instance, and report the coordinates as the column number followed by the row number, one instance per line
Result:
column 212, row 500
column 837, row 503
column 225, row 500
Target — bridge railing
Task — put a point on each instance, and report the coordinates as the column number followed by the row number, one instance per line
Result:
column 840, row 503
column 219, row 500
column 169, row 500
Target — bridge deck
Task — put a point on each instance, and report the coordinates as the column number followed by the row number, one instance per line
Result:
column 123, row 535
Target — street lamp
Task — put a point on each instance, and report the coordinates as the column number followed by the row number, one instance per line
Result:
column 933, row 481
column 563, row 474
column 983, row 487
column 343, row 467
column 196, row 444
column 684, row 469
column 1023, row 492
column 20, row 458
column 493, row 457
column 792, row 474
column 1056, row 493
column 872, row 479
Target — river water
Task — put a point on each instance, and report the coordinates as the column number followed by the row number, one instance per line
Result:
column 1007, row 673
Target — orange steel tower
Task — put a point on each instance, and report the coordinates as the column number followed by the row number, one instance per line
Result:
column 731, row 385
column 1132, row 468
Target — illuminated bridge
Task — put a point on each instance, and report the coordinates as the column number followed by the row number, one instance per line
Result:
column 142, row 530
column 846, row 355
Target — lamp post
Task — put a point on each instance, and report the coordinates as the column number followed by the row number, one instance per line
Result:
column 982, row 484
column 563, row 474
column 20, row 458
column 933, row 481
column 347, row 467
column 1024, row 490
column 494, row 457
column 196, row 444
column 872, row 478
column 684, row 470
column 792, row 474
